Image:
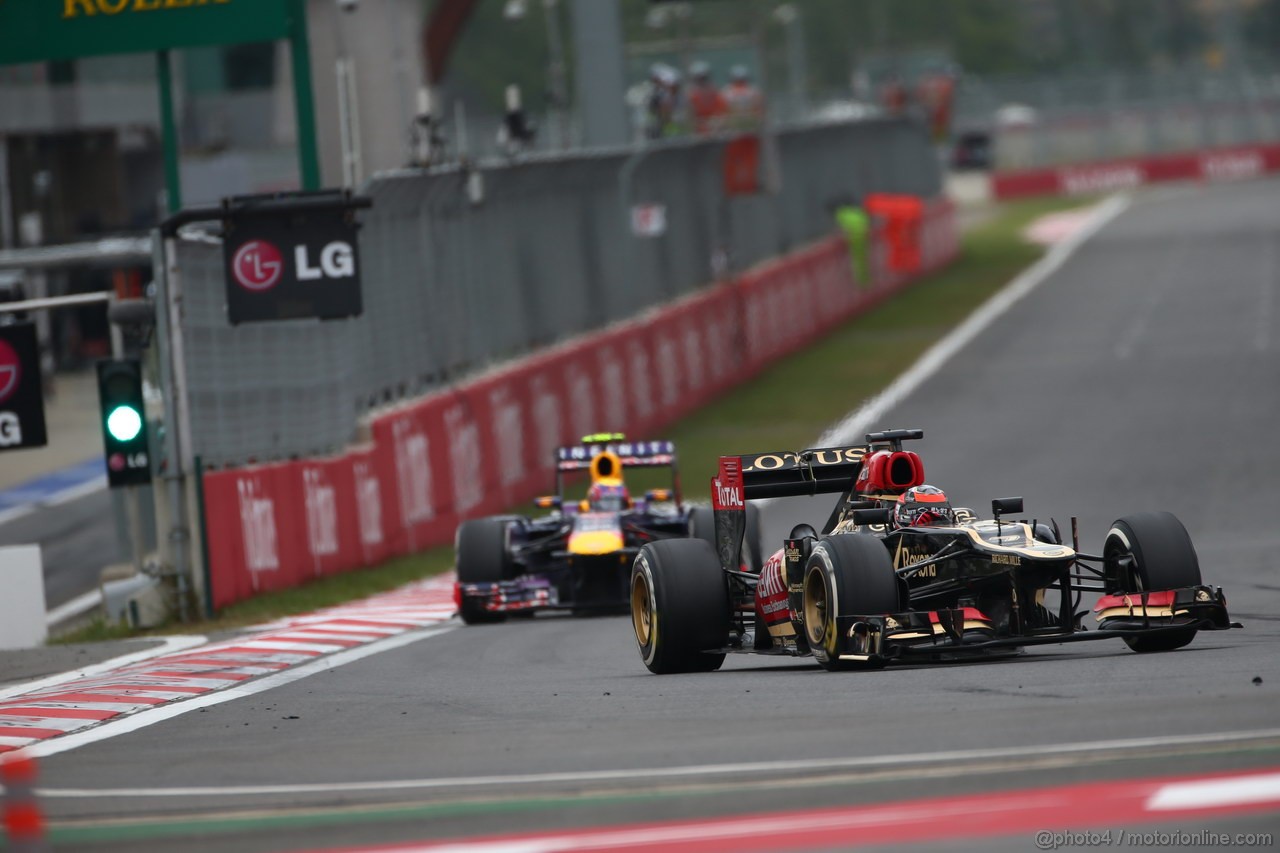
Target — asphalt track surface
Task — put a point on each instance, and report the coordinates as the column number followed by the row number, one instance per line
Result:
column 1145, row 374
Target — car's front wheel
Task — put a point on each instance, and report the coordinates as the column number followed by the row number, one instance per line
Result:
column 847, row 575
column 481, row 556
column 1149, row 552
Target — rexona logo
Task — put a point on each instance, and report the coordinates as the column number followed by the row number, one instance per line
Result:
column 10, row 371
column 258, row 527
column 257, row 265
column 1232, row 165
column 1101, row 178
column 368, row 505
column 728, row 497
column 322, row 513
column 413, row 467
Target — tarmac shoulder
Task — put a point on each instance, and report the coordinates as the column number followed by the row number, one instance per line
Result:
column 22, row 666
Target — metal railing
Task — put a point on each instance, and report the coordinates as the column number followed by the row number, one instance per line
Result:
column 1053, row 120
column 462, row 268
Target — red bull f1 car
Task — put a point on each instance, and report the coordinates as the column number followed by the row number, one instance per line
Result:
column 873, row 588
column 579, row 556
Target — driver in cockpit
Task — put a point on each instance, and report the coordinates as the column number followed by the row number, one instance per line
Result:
column 923, row 506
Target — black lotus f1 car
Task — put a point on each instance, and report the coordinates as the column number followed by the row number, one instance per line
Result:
column 865, row 592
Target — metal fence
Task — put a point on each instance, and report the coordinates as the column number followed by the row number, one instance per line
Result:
column 465, row 268
column 1052, row 120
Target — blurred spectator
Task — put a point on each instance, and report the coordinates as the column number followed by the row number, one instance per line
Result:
column 936, row 93
column 743, row 101
column 663, row 102
column 894, row 96
column 707, row 106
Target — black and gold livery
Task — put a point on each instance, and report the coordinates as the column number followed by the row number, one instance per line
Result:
column 862, row 591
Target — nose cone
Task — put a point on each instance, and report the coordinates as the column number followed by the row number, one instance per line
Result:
column 595, row 542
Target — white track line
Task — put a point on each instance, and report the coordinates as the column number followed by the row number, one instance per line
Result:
column 170, row 645
column 854, row 426
column 746, row 769
column 143, row 719
column 74, row 607
column 1207, row 793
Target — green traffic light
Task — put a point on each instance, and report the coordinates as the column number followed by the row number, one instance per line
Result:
column 124, row 423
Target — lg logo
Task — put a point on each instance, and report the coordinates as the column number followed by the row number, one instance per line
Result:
column 10, row 371
column 10, row 429
column 258, row 265
column 336, row 261
column 10, row 376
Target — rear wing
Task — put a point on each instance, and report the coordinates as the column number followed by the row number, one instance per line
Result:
column 632, row 454
column 628, row 454
column 818, row 471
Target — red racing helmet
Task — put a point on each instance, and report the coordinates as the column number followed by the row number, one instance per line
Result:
column 923, row 506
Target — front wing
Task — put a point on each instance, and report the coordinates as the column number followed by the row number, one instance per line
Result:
column 543, row 590
column 960, row 632
column 531, row 592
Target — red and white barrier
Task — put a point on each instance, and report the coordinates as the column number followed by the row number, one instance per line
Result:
column 488, row 443
column 1215, row 164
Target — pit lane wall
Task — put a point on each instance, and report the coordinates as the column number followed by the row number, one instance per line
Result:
column 1214, row 164
column 486, row 444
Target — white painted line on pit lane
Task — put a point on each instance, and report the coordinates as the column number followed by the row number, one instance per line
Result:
column 74, row 607
column 143, row 719
column 74, row 493
column 855, row 425
column 169, row 645
column 67, row 495
column 14, row 513
column 643, row 773
column 1215, row 793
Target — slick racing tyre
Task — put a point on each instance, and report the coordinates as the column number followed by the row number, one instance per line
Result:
column 848, row 575
column 679, row 606
column 481, row 556
column 1151, row 551
column 702, row 525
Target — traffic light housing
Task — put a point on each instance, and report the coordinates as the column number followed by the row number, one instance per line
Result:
column 122, row 415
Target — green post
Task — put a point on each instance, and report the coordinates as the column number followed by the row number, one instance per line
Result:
column 303, row 99
column 209, row 611
column 169, row 133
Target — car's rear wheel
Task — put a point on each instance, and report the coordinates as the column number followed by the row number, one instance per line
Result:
column 481, row 556
column 679, row 606
column 848, row 575
column 1149, row 552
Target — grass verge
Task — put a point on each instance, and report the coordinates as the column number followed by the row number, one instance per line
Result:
column 831, row 378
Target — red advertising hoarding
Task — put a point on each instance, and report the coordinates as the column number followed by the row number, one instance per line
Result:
column 489, row 443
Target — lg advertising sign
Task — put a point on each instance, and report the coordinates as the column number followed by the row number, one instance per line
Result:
column 287, row 262
column 21, row 395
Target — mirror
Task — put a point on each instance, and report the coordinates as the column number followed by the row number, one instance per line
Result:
column 1004, row 506
column 863, row 517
